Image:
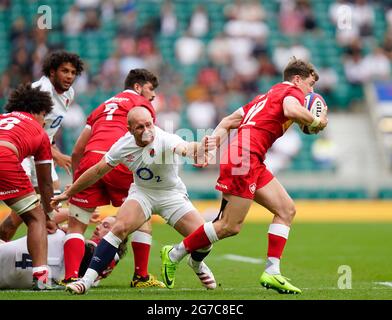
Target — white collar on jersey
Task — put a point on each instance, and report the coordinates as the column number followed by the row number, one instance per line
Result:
column 288, row 82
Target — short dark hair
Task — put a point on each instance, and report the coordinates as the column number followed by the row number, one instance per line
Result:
column 25, row 98
column 56, row 58
column 140, row 76
column 300, row 68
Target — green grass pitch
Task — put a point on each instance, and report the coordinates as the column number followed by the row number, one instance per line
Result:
column 312, row 258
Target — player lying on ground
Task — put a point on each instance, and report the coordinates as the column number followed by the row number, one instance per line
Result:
column 152, row 154
column 16, row 265
column 259, row 123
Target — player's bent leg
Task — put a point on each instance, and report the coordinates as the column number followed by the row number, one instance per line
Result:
column 171, row 255
column 9, row 226
column 129, row 218
column 233, row 216
column 275, row 198
column 74, row 247
column 29, row 210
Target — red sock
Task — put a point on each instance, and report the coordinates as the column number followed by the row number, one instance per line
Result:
column 275, row 245
column 73, row 254
column 196, row 240
column 141, row 252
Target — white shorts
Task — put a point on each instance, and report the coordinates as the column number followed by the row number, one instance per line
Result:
column 29, row 167
column 170, row 205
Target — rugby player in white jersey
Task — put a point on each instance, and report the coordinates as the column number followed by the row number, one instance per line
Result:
column 152, row 155
column 60, row 69
column 16, row 270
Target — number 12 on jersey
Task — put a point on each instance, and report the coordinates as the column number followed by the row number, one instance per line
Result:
column 255, row 109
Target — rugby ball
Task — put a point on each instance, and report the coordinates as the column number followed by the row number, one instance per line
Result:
column 316, row 105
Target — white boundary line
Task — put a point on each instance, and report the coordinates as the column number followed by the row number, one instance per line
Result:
column 235, row 257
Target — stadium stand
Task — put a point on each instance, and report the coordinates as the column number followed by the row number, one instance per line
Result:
column 232, row 59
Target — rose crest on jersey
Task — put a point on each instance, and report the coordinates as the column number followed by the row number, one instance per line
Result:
column 130, row 158
column 252, row 188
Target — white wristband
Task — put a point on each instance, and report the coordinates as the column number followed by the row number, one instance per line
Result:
column 315, row 123
column 50, row 214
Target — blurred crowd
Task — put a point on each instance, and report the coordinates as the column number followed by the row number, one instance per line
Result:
column 233, row 59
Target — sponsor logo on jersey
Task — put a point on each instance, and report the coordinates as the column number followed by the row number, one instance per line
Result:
column 79, row 200
column 152, row 153
column 3, row 193
column 222, row 186
column 252, row 188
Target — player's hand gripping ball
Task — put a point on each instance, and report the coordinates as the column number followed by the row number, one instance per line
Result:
column 316, row 105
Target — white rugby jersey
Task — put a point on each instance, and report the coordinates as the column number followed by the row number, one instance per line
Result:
column 154, row 166
column 16, row 271
column 61, row 105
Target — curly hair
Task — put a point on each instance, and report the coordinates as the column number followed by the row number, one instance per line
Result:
column 140, row 76
column 56, row 58
column 25, row 98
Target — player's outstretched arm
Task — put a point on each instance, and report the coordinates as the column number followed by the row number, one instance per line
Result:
column 232, row 121
column 198, row 151
column 294, row 111
column 87, row 179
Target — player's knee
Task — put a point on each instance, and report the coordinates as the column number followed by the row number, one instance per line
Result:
column 230, row 230
column 288, row 212
column 34, row 216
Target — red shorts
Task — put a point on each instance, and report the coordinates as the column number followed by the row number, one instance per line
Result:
column 243, row 171
column 13, row 179
column 111, row 189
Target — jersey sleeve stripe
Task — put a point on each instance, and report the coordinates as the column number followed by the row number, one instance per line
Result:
column 43, row 161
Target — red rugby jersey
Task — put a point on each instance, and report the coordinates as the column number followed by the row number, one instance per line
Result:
column 26, row 134
column 266, row 112
column 108, row 122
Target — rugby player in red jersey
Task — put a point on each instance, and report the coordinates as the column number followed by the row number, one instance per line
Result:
column 244, row 177
column 22, row 135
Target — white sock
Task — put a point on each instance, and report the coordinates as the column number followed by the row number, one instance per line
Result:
column 141, row 237
column 273, row 265
column 112, row 239
column 89, row 277
column 178, row 252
